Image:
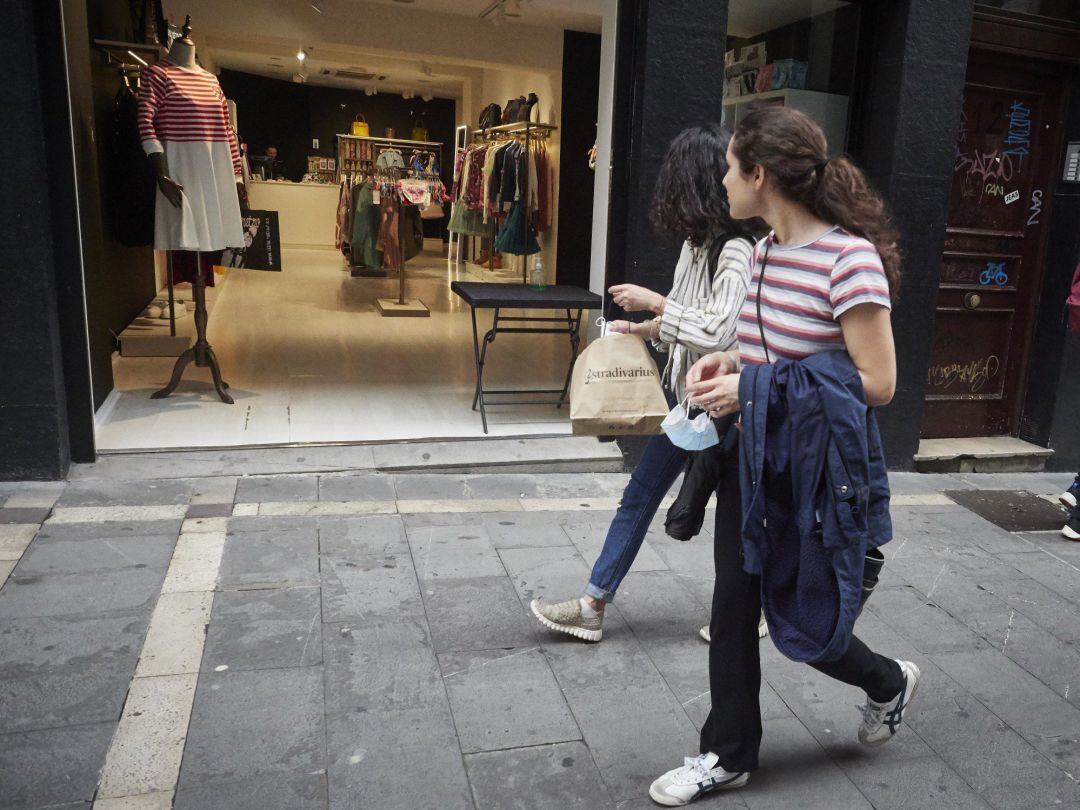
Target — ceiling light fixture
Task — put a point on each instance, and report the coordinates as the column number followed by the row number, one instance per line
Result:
column 369, row 90
column 301, row 55
column 315, row 6
column 427, row 96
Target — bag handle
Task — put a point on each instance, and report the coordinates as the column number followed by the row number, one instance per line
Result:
column 360, row 117
column 761, row 277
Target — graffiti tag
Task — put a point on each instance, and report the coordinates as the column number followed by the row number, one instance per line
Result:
column 974, row 374
column 1036, row 207
column 1019, row 138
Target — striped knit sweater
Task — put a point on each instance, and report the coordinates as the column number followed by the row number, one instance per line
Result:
column 183, row 104
column 702, row 310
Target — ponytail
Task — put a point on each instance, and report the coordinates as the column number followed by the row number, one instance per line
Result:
column 792, row 149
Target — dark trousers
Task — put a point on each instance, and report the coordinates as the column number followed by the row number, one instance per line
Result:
column 733, row 728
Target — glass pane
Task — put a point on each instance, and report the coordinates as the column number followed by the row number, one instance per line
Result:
column 1057, row 9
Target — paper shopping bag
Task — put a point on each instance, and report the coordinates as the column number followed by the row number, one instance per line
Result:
column 615, row 390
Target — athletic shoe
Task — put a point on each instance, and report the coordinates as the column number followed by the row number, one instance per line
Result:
column 881, row 721
column 566, row 618
column 698, row 775
column 1069, row 496
column 762, row 631
column 1071, row 530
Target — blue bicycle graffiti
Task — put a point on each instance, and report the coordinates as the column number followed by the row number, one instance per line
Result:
column 994, row 274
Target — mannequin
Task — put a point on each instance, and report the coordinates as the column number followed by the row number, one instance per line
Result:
column 177, row 97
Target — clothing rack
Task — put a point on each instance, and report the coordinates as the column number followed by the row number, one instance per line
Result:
column 526, row 131
column 348, row 165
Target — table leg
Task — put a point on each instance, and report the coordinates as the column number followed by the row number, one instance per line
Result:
column 478, row 397
column 574, row 328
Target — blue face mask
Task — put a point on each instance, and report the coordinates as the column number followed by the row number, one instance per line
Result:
column 694, row 434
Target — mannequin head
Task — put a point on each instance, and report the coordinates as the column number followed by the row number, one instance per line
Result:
column 182, row 51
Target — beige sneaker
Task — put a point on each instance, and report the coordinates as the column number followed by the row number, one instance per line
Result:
column 762, row 631
column 566, row 618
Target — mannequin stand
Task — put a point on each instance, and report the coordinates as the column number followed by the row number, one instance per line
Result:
column 201, row 353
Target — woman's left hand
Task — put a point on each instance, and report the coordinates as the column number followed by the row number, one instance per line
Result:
column 633, row 298
column 717, row 395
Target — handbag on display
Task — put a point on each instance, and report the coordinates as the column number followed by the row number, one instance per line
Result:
column 391, row 133
column 512, row 109
column 419, row 131
column 615, row 389
column 432, row 211
column 360, row 126
column 490, row 116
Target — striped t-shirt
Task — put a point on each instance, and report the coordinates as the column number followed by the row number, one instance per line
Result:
column 805, row 290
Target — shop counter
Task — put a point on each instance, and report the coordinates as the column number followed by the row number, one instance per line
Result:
column 307, row 212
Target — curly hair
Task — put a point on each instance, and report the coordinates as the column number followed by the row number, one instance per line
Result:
column 689, row 201
column 793, row 151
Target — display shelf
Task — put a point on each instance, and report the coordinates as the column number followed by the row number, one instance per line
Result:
column 390, row 141
column 128, row 53
column 829, row 110
column 516, row 127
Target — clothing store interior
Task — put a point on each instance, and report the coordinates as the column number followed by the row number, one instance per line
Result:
column 294, row 191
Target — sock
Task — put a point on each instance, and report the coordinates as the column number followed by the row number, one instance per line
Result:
column 587, row 610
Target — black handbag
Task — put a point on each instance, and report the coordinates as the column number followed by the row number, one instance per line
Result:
column 490, row 116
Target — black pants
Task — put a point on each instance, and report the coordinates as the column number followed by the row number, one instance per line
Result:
column 733, row 728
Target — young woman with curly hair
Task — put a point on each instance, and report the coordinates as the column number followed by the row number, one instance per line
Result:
column 822, row 281
column 698, row 316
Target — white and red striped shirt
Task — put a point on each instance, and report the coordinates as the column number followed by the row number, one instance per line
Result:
column 805, row 290
column 183, row 104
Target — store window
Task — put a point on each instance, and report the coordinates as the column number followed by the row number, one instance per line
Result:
column 799, row 55
column 1054, row 9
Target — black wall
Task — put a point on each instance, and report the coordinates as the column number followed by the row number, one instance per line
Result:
column 580, row 101
column 272, row 112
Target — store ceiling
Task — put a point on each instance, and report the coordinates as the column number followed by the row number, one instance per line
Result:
column 749, row 18
column 576, row 15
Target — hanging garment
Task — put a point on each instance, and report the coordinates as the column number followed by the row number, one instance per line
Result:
column 364, row 236
column 184, row 266
column 390, row 231
column 183, row 113
column 515, row 238
column 390, row 159
column 129, row 178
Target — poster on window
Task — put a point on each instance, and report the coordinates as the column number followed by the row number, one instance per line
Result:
column 262, row 243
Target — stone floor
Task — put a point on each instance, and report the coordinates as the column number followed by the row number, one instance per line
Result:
column 363, row 641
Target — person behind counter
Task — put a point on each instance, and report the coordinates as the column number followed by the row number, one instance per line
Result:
column 268, row 166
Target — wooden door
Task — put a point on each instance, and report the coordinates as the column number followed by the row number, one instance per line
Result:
column 1007, row 152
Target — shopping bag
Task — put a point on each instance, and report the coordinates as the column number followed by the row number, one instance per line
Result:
column 615, row 390
column 360, row 126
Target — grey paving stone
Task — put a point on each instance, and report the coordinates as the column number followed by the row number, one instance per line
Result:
column 909, row 483
column 95, row 594
column 1038, row 483
column 217, row 490
column 26, row 514
column 613, row 723
column 579, row 485
column 369, row 585
column 298, row 791
column 796, row 773
column 348, row 536
column 548, row 776
column 270, row 559
column 367, row 752
column 1055, row 544
column 254, row 724
column 926, row 626
column 1060, row 576
column 366, row 487
column 57, row 767
column 209, row 510
column 689, row 556
column 957, row 526
column 126, row 493
column 454, row 552
column 1052, row 661
column 656, row 605
column 935, row 529
column 991, row 757
column 900, row 784
column 66, row 671
column 476, row 614
column 264, row 629
column 1060, row 616
column 553, row 574
column 620, row 660
column 501, row 486
column 380, row 665
column 505, row 699
column 109, row 530
column 277, row 488
column 54, row 556
column 413, row 520
column 589, row 540
column 430, row 487
column 524, row 530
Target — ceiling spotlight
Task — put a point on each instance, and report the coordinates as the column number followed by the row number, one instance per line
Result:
column 407, row 94
column 427, row 96
column 369, row 90
column 315, row 6
column 513, row 8
column 301, row 55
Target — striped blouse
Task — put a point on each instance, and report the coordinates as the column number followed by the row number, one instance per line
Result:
column 178, row 104
column 805, row 290
column 702, row 308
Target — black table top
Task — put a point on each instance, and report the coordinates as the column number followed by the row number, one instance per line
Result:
column 487, row 295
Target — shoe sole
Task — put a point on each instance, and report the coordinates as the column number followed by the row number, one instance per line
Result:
column 1070, row 534
column 907, row 705
column 762, row 631
column 671, row 801
column 570, row 630
column 1067, row 499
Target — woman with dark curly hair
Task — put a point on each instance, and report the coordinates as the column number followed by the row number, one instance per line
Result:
column 698, row 316
column 819, row 298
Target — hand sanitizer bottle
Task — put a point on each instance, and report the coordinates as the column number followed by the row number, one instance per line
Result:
column 537, row 279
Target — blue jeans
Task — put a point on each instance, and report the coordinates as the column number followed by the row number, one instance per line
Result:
column 660, row 465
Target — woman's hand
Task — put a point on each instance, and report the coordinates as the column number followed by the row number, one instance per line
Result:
column 619, row 327
column 713, row 384
column 633, row 298
column 709, row 366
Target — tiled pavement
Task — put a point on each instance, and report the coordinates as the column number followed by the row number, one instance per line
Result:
column 363, row 641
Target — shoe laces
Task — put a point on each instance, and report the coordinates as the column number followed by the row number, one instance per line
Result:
column 694, row 769
column 873, row 713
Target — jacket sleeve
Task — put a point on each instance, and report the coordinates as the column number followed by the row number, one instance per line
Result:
column 151, row 92
column 234, row 145
column 713, row 327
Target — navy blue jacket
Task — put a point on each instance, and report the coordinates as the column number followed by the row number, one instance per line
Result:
column 815, row 498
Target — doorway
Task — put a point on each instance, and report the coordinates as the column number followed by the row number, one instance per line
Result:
column 995, row 245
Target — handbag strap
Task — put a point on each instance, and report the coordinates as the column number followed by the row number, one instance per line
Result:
column 761, row 277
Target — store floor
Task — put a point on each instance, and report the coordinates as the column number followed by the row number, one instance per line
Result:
column 310, row 360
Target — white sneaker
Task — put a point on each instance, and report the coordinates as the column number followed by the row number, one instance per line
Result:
column 762, row 631
column 881, row 721
column 698, row 775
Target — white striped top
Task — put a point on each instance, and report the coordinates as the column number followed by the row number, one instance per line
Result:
column 183, row 105
column 702, row 310
column 805, row 290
